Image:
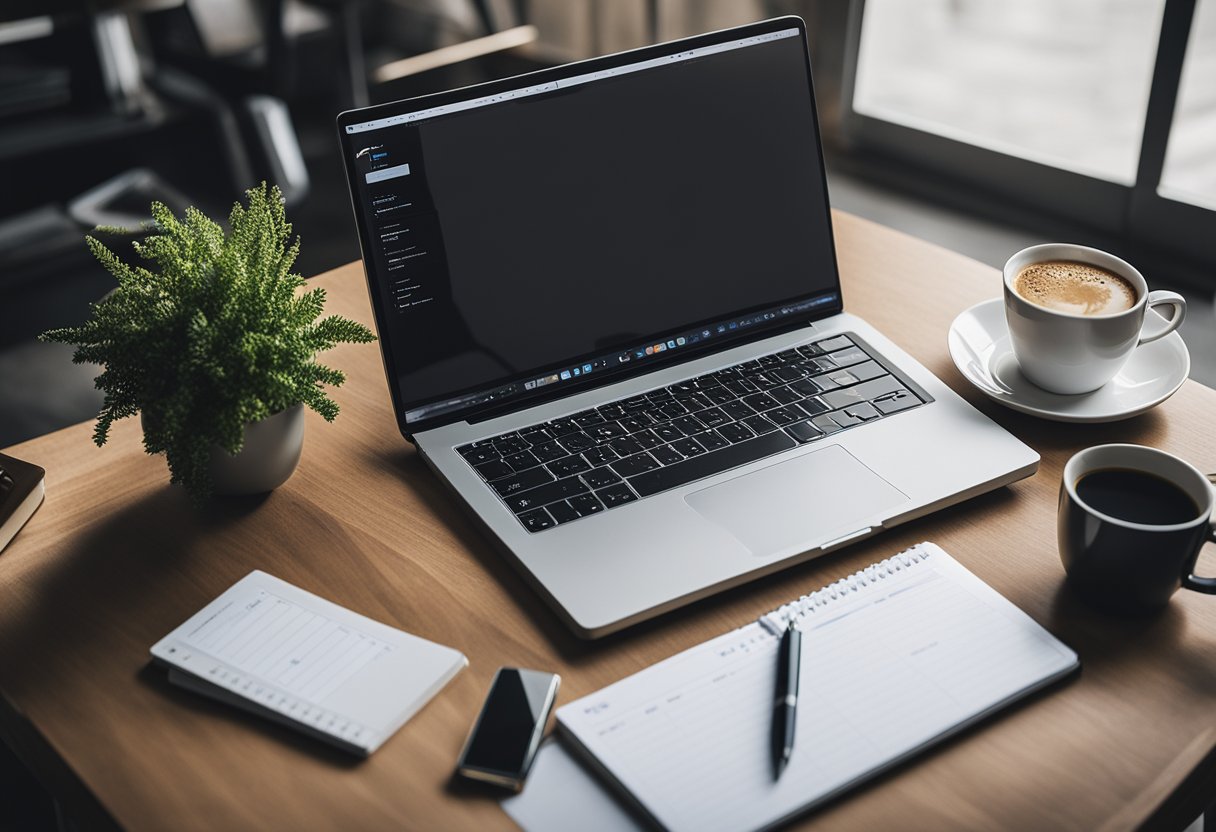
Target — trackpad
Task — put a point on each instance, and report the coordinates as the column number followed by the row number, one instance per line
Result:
column 806, row 501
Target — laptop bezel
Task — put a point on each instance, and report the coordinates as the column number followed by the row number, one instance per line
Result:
column 406, row 105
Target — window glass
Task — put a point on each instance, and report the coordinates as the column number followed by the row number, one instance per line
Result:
column 1190, row 158
column 1062, row 83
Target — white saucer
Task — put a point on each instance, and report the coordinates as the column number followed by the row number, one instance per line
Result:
column 979, row 345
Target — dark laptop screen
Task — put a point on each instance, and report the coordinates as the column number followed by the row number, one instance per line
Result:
column 593, row 224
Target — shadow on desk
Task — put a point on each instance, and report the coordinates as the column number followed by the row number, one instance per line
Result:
column 119, row 563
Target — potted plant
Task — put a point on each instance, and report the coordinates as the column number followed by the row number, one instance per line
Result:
column 214, row 346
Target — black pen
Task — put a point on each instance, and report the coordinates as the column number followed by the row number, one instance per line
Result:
column 785, row 704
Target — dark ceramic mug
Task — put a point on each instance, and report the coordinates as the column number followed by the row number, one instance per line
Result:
column 1132, row 567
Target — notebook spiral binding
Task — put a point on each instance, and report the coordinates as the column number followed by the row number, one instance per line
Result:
column 776, row 621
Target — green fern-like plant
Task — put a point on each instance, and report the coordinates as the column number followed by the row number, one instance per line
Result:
column 212, row 336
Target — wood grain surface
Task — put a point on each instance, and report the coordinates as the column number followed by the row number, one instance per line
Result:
column 116, row 558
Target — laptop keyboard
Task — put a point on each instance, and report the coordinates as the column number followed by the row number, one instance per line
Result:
column 557, row 472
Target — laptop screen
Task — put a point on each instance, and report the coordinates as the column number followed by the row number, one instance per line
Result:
column 560, row 228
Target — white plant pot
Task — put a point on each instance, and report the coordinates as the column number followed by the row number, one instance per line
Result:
column 268, row 457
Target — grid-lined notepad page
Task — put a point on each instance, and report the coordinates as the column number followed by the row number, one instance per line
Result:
column 294, row 654
column 894, row 658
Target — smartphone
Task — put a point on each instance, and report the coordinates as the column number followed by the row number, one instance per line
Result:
column 508, row 730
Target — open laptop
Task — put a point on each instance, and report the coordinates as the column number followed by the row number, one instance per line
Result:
column 611, row 321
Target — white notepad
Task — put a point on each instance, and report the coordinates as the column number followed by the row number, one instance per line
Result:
column 274, row 649
column 895, row 658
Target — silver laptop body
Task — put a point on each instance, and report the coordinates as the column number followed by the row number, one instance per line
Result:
column 612, row 538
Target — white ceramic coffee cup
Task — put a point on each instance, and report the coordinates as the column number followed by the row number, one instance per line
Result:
column 1067, row 353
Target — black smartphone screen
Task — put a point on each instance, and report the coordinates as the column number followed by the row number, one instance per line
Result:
column 511, row 720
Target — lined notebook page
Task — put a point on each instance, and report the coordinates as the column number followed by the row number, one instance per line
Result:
column 894, row 658
column 271, row 645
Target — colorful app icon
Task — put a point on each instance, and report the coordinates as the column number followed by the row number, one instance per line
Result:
column 576, row 371
column 586, row 368
column 565, row 374
column 660, row 347
column 650, row 350
column 680, row 342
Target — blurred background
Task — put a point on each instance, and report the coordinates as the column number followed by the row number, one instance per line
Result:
column 979, row 124
column 982, row 125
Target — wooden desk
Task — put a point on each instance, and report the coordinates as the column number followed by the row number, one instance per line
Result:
column 116, row 558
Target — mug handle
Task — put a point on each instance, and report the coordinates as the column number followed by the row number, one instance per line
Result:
column 1198, row 583
column 1160, row 297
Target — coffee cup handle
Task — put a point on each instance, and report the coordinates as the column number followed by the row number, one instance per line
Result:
column 1196, row 582
column 1160, row 297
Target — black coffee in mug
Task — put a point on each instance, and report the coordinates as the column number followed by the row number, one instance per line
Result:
column 1131, row 523
column 1136, row 496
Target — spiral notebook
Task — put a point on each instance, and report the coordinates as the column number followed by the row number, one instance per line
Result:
column 285, row 654
column 895, row 658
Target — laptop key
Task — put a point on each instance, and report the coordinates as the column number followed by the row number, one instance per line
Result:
column 494, row 469
column 476, row 456
column 759, row 424
column 805, row 387
column 616, row 495
column 600, row 477
column 668, row 433
column 586, row 504
column 710, row 440
column 637, row 422
column 785, row 395
column 813, row 406
column 606, row 431
column 611, row 411
column 713, row 417
column 850, row 356
column 560, row 427
column 672, row 410
column 511, row 445
column 688, row 447
column 587, row 418
column 764, row 381
column 706, row 465
column 666, row 455
column 736, row 432
column 809, row 350
column 636, row 464
column 522, row 461
column 549, row 451
column 833, row 344
column 897, row 401
column 536, row 434
column 626, row 447
column 825, row 423
column 601, row 455
column 561, row 512
column 760, row 402
column 867, row 370
column 737, row 410
column 535, row 521
column 688, row 425
column 545, row 494
column 646, row 439
column 804, row 431
column 858, row 393
column 784, row 415
column 522, row 481
column 844, row 419
column 566, row 466
column 865, row 410
column 576, row 442
column 792, row 372
column 719, row 395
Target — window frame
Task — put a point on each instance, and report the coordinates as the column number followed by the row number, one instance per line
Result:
column 1138, row 211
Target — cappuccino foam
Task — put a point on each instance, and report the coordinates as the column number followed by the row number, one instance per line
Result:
column 1078, row 288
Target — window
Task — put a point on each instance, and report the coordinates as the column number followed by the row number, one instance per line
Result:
column 1098, row 111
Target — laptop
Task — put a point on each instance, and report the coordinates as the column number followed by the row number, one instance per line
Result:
column 612, row 322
